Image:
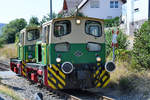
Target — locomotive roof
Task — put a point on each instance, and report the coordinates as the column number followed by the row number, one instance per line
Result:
column 69, row 18
column 30, row 27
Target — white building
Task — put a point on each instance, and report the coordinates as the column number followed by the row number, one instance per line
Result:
column 134, row 13
column 103, row 9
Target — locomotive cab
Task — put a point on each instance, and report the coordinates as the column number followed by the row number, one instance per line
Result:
column 31, row 36
column 74, row 52
column 26, row 48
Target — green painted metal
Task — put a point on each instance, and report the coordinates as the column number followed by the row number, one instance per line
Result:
column 20, row 52
column 44, row 54
column 24, row 52
column 86, row 57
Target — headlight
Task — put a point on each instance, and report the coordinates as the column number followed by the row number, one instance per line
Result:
column 58, row 60
column 98, row 59
column 78, row 21
column 93, row 47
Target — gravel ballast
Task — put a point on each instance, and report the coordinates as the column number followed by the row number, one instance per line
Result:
column 25, row 89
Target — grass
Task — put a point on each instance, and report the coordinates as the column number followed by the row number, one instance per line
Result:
column 8, row 51
column 8, row 91
column 129, row 80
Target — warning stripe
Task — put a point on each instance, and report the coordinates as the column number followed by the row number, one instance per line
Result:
column 106, row 83
column 98, row 85
column 51, row 78
column 60, row 73
column 51, row 71
column 105, row 77
column 101, row 77
column 51, row 85
column 23, row 70
column 60, row 86
column 97, row 72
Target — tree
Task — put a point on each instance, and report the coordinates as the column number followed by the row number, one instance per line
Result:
column 34, row 21
column 141, row 47
column 47, row 17
column 10, row 30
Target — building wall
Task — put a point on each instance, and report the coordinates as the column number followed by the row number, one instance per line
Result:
column 142, row 13
column 104, row 11
column 135, row 14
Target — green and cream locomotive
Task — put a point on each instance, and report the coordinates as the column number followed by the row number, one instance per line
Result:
column 69, row 53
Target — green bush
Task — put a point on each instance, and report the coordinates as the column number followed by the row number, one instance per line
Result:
column 141, row 47
column 122, row 41
column 111, row 22
column 1, row 41
column 122, row 55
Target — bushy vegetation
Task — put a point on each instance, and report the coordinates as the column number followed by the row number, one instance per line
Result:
column 141, row 48
column 11, row 29
column 111, row 22
column 47, row 17
column 34, row 21
column 122, row 41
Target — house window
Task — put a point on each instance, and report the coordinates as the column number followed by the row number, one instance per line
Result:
column 111, row 4
column 136, row 10
column 94, row 3
column 114, row 4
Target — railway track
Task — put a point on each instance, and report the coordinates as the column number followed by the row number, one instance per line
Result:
column 64, row 94
column 4, row 66
column 74, row 95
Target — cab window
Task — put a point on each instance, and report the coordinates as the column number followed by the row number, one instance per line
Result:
column 93, row 28
column 62, row 28
column 33, row 34
column 45, row 34
column 21, row 38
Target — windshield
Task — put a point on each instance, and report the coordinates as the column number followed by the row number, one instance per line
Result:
column 62, row 28
column 93, row 28
column 33, row 34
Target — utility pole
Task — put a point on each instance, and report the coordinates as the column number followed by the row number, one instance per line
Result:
column 51, row 16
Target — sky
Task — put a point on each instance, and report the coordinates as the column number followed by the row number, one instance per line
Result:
column 12, row 9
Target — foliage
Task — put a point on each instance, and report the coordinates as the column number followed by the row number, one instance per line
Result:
column 72, row 13
column 111, row 22
column 122, row 55
column 1, row 41
column 141, row 47
column 47, row 17
column 34, row 21
column 122, row 41
column 10, row 30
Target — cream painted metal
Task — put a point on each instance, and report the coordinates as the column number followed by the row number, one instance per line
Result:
column 26, row 42
column 135, row 12
column 77, row 34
